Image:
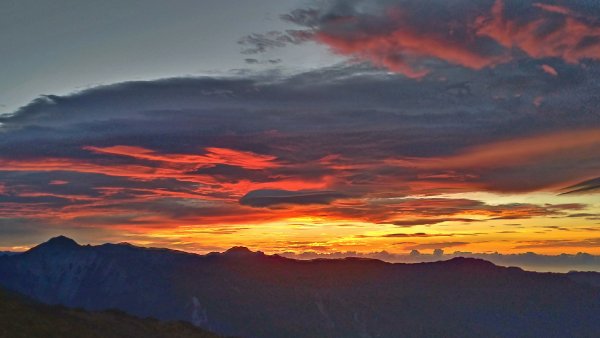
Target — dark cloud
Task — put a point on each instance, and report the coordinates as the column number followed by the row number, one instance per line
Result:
column 429, row 221
column 589, row 186
column 434, row 246
column 418, row 234
column 252, row 61
column 261, row 42
column 588, row 243
column 349, row 142
column 583, row 215
column 266, row 198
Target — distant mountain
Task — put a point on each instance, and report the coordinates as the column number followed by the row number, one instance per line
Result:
column 7, row 253
column 250, row 294
column 20, row 317
column 585, row 277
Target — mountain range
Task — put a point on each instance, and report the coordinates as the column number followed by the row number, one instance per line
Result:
column 253, row 295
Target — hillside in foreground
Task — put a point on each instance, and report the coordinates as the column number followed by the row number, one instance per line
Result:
column 21, row 317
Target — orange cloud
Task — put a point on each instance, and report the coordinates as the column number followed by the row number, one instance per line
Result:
column 513, row 152
column 549, row 70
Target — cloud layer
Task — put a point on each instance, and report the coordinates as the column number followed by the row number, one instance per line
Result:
column 493, row 97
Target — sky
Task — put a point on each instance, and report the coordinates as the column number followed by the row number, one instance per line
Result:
column 311, row 128
column 57, row 47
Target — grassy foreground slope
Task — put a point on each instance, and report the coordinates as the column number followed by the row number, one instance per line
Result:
column 20, row 317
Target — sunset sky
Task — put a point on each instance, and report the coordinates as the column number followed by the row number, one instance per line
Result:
column 302, row 126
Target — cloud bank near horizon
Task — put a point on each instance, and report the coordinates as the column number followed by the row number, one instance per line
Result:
column 527, row 261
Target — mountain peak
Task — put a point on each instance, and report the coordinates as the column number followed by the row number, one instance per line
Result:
column 58, row 242
column 239, row 251
column 62, row 241
column 469, row 262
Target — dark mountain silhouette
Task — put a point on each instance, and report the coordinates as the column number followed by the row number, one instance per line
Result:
column 250, row 294
column 585, row 277
column 24, row 318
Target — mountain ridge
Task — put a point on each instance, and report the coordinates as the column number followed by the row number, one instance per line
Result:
column 62, row 241
column 251, row 294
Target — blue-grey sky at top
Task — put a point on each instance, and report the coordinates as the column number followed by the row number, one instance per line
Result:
column 56, row 47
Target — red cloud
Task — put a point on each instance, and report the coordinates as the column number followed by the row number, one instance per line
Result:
column 398, row 48
column 554, row 8
column 395, row 50
column 213, row 156
column 568, row 41
column 396, row 41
